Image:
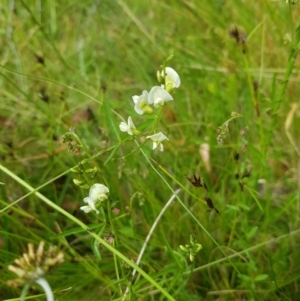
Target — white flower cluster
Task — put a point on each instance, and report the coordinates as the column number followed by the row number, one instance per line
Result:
column 157, row 97
column 98, row 192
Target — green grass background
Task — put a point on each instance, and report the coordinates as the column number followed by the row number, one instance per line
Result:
column 73, row 64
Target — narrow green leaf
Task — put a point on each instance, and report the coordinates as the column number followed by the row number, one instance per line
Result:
column 297, row 36
column 232, row 207
column 113, row 130
column 73, row 231
column 244, row 277
column 95, row 243
column 145, row 125
column 112, row 153
column 245, row 207
column 252, row 232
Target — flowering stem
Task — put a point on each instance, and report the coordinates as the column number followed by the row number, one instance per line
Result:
column 232, row 118
column 102, row 213
column 84, row 148
column 151, row 132
column 135, row 150
column 156, row 121
column 92, row 158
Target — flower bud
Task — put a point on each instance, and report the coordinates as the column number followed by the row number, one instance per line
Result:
column 78, row 182
column 169, row 87
column 183, row 248
column 116, row 211
column 148, row 110
column 91, row 170
column 77, row 170
column 136, row 132
column 159, row 77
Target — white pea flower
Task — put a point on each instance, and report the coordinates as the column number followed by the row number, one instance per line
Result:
column 157, row 139
column 141, row 103
column 90, row 206
column 158, row 96
column 128, row 127
column 172, row 79
column 98, row 192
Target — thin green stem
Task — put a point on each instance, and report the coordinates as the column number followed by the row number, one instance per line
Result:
column 175, row 180
column 49, row 80
column 52, row 180
column 232, row 118
column 24, row 292
column 277, row 102
column 188, row 211
column 111, row 222
column 45, row 35
column 148, row 239
column 246, row 251
column 252, row 192
column 156, row 121
column 250, row 83
column 143, row 143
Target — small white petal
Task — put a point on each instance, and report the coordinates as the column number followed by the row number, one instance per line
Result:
column 87, row 200
column 172, row 77
column 135, row 98
column 123, row 126
column 86, row 209
column 140, row 102
column 131, row 126
column 158, row 96
column 90, row 207
column 97, row 192
column 157, row 139
column 130, row 123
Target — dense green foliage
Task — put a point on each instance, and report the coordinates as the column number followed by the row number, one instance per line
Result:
column 77, row 64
